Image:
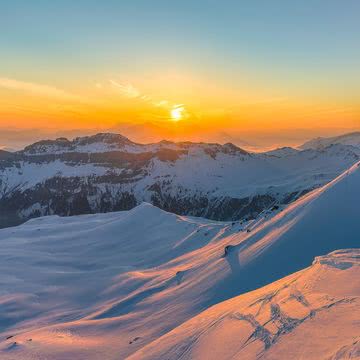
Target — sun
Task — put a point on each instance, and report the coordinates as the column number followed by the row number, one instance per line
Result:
column 177, row 113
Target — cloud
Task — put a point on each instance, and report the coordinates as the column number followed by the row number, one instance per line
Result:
column 162, row 103
column 38, row 89
column 130, row 91
column 127, row 90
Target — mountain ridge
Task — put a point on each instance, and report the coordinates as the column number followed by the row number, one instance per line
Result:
column 352, row 138
column 109, row 172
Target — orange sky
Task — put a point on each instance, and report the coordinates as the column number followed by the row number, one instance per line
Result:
column 202, row 103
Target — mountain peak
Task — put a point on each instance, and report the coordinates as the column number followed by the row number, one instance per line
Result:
column 282, row 151
column 44, row 146
column 107, row 138
column 105, row 141
column 352, row 138
column 231, row 148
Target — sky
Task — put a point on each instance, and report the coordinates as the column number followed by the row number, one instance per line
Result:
column 180, row 67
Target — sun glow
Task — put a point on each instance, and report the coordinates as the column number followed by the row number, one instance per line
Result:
column 177, row 113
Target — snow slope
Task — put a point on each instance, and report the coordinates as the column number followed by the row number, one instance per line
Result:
column 67, row 252
column 312, row 314
column 352, row 139
column 115, row 285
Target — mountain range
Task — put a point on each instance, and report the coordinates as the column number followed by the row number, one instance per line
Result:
column 109, row 172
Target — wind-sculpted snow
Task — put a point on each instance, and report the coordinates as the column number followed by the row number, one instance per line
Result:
column 108, row 172
column 312, row 314
column 141, row 284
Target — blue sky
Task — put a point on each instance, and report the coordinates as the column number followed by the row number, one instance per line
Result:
column 271, row 35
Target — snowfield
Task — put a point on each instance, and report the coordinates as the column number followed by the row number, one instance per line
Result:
column 148, row 284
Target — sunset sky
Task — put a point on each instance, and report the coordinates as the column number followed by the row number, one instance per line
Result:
column 185, row 65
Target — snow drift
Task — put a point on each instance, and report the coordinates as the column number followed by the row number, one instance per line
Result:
column 293, row 318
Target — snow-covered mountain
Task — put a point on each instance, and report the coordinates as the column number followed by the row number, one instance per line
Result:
column 108, row 172
column 352, row 139
column 140, row 284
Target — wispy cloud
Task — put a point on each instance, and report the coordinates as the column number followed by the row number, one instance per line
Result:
column 127, row 90
column 130, row 91
column 38, row 89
